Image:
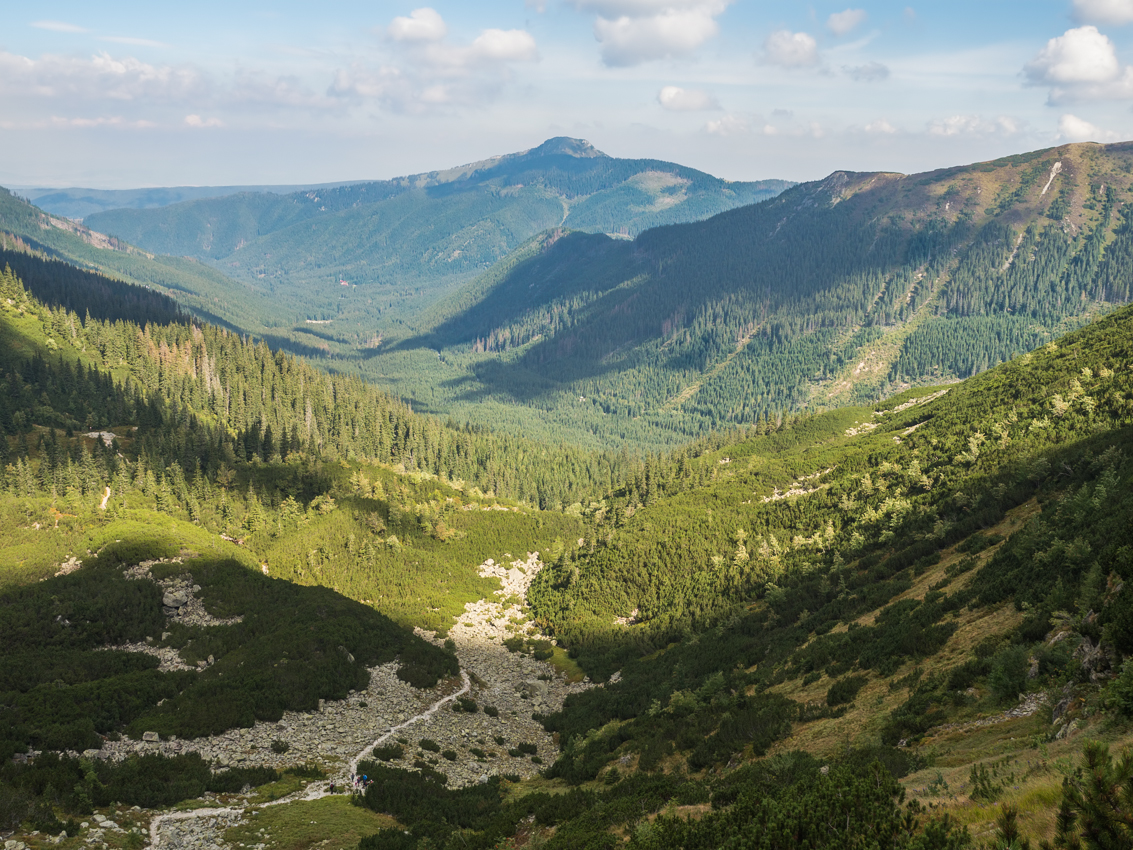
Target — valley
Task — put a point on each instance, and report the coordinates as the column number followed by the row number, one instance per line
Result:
column 830, row 546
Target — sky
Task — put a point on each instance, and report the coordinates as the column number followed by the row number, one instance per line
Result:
column 126, row 94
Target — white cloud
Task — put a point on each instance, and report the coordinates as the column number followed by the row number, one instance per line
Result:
column 422, row 25
column 729, row 125
column 198, row 121
column 57, row 26
column 634, row 31
column 954, row 125
column 133, row 42
column 871, row 72
column 790, row 49
column 880, row 126
column 432, row 72
column 676, row 99
column 974, row 125
column 1104, row 11
column 101, row 77
column 1074, row 129
column 504, row 46
column 841, row 23
column 1080, row 55
column 1080, row 64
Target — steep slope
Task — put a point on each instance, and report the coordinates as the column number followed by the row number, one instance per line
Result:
column 174, row 553
column 28, row 229
column 425, row 231
column 833, row 292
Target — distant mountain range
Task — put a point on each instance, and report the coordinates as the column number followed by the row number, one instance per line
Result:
column 78, row 202
column 405, row 240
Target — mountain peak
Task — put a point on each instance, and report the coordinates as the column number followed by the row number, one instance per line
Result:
column 566, row 145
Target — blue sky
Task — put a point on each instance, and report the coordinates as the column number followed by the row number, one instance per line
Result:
column 125, row 94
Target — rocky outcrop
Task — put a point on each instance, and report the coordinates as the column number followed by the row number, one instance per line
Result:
column 200, row 828
column 179, row 602
column 471, row 744
column 516, row 686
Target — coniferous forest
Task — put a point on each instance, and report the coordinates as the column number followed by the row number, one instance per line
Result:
column 869, row 588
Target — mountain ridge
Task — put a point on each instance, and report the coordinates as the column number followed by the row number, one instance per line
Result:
column 833, row 292
column 407, row 240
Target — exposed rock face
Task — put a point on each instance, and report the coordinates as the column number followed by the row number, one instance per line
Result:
column 69, row 566
column 179, row 602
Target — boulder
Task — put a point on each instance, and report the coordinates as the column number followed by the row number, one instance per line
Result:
column 175, row 599
column 151, row 737
column 533, row 688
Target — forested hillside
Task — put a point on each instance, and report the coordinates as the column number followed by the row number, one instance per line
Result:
column 834, row 292
column 399, row 244
column 905, row 626
column 26, row 229
column 328, row 478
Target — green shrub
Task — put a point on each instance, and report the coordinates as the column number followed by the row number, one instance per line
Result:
column 388, row 752
column 279, row 747
column 449, row 754
column 491, row 711
column 308, row 770
column 984, row 787
column 1120, row 692
column 1008, row 677
column 845, row 690
column 430, row 745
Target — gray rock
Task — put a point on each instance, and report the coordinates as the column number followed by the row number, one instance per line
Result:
column 175, row 598
column 534, row 688
column 151, row 737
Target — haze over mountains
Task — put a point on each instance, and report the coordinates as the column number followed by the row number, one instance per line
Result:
column 76, row 202
column 417, row 236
